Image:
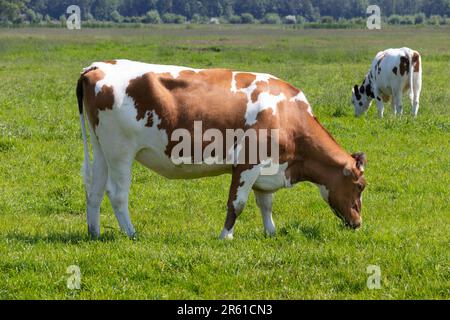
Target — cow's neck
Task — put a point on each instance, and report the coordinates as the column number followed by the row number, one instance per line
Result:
column 318, row 156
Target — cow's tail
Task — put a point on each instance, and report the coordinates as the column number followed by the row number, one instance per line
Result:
column 411, row 76
column 86, row 172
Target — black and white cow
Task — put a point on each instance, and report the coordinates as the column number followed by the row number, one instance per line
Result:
column 393, row 72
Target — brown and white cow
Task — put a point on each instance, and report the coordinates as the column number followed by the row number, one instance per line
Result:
column 393, row 72
column 137, row 110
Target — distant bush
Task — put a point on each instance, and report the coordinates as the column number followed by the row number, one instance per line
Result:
column 63, row 20
column 173, row 18
column 434, row 20
column 407, row 20
column 196, row 18
column 271, row 18
column 116, row 16
column 358, row 20
column 152, row 17
column 234, row 19
column 420, row 18
column 394, row 19
column 32, row 16
column 223, row 19
column 300, row 19
column 326, row 19
column 248, row 18
column 90, row 17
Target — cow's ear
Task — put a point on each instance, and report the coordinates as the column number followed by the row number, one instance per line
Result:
column 361, row 160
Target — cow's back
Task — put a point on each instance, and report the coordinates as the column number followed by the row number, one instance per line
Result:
column 146, row 103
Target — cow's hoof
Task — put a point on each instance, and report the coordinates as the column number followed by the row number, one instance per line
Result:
column 270, row 233
column 226, row 234
column 93, row 234
column 133, row 236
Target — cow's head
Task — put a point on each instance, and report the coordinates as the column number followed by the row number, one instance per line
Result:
column 360, row 99
column 344, row 191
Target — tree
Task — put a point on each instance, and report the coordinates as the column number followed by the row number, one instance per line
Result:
column 152, row 17
column 248, row 18
column 15, row 11
column 234, row 19
column 272, row 18
column 11, row 10
column 173, row 18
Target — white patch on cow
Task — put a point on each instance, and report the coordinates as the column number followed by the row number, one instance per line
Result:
column 265, row 99
column 233, row 82
column 264, row 201
column 247, row 179
column 274, row 182
column 302, row 98
column 264, row 77
column 119, row 75
column 324, row 192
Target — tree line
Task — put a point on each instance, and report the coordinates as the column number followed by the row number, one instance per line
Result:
column 229, row 11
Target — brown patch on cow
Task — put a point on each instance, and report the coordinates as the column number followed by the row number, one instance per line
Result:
column 406, row 86
column 244, row 80
column 261, row 86
column 213, row 77
column 385, row 97
column 103, row 100
column 416, row 61
column 111, row 61
column 172, row 84
column 404, row 65
column 395, row 70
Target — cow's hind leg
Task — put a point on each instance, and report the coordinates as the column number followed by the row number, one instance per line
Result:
column 118, row 187
column 96, row 189
column 398, row 102
column 242, row 180
column 264, row 201
column 416, row 92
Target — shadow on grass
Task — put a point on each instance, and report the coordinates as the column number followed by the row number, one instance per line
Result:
column 59, row 237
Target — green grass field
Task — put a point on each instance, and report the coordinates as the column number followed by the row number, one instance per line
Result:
column 177, row 254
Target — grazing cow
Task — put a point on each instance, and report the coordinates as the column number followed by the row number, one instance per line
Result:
column 137, row 111
column 393, row 72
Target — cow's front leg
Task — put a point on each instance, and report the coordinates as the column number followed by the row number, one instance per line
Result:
column 380, row 107
column 264, row 201
column 242, row 180
column 379, row 102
